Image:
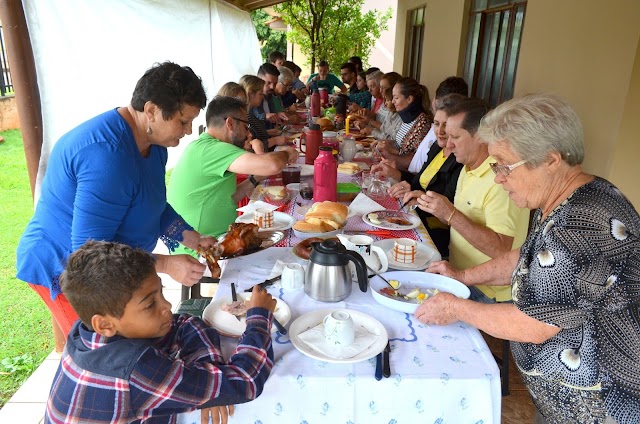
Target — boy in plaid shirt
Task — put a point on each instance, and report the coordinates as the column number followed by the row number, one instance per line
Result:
column 129, row 360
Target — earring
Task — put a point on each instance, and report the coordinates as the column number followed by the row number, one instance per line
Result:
column 149, row 130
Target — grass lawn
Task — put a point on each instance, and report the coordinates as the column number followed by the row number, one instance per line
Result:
column 25, row 328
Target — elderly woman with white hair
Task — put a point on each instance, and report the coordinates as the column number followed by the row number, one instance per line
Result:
column 574, row 324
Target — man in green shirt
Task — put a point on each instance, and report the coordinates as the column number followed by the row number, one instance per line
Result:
column 203, row 187
column 324, row 79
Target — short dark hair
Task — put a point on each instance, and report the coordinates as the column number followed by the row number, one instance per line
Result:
column 473, row 108
column 221, row 107
column 362, row 75
column 268, row 69
column 452, row 85
column 101, row 277
column 323, row 63
column 290, row 65
column 357, row 62
column 275, row 55
column 350, row 66
column 447, row 102
column 170, row 86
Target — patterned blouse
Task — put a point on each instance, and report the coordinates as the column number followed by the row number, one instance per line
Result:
column 410, row 135
column 579, row 270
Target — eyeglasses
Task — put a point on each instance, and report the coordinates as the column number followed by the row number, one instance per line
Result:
column 247, row 124
column 505, row 170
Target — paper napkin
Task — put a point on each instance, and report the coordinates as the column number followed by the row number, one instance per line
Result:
column 363, row 205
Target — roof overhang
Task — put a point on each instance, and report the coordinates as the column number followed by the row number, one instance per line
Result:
column 250, row 5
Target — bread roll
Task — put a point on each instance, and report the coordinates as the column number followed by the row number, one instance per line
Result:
column 329, row 211
column 325, row 124
column 307, row 227
column 348, row 168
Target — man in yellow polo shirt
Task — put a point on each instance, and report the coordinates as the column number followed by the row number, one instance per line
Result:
column 484, row 222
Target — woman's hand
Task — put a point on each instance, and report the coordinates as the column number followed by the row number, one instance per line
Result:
column 386, row 170
column 185, row 269
column 436, row 204
column 219, row 414
column 398, row 190
column 354, row 107
column 446, row 269
column 438, row 309
column 193, row 239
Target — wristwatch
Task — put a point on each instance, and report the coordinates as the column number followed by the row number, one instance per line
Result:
column 253, row 180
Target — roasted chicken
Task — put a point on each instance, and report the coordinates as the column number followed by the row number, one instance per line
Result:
column 240, row 239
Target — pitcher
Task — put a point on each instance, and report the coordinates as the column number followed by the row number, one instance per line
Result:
column 349, row 148
column 312, row 138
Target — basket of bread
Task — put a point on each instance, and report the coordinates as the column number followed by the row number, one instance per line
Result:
column 276, row 195
column 325, row 124
column 323, row 219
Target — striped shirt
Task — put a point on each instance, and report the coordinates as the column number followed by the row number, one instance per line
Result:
column 120, row 380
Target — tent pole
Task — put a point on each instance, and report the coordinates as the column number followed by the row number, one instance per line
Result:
column 25, row 82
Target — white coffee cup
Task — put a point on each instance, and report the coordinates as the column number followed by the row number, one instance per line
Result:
column 373, row 256
column 404, row 250
column 339, row 329
column 292, row 277
column 263, row 218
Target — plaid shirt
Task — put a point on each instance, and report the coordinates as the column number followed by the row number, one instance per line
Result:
column 120, row 380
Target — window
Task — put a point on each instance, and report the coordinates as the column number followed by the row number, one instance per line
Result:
column 493, row 44
column 414, row 41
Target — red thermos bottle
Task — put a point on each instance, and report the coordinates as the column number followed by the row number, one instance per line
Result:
column 312, row 140
column 315, row 104
column 325, row 176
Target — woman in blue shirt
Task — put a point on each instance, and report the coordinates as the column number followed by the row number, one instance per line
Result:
column 105, row 181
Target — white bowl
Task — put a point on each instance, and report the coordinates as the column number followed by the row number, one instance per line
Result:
column 293, row 187
column 304, row 236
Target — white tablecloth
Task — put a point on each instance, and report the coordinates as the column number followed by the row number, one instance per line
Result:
column 439, row 374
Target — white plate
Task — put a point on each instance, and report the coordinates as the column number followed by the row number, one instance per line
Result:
column 313, row 318
column 304, row 236
column 383, row 214
column 424, row 255
column 306, row 170
column 282, row 221
column 228, row 325
column 267, row 239
column 414, row 279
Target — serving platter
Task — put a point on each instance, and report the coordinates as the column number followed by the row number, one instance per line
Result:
column 414, row 279
column 228, row 325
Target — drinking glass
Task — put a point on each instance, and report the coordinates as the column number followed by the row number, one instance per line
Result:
column 377, row 190
column 367, row 178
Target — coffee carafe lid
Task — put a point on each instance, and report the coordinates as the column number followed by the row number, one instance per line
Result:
column 314, row 127
column 328, row 252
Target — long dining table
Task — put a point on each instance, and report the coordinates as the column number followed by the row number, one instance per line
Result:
column 439, row 374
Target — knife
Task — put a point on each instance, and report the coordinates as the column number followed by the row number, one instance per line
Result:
column 234, row 297
column 386, row 369
column 265, row 283
column 378, row 373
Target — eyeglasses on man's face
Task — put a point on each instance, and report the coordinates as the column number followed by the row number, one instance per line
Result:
column 247, row 124
column 505, row 170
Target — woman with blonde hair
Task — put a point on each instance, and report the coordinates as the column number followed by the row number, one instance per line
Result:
column 253, row 87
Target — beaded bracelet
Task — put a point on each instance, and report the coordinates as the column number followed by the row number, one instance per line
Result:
column 451, row 216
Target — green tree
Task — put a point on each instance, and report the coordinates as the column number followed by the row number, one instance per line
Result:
column 333, row 30
column 271, row 40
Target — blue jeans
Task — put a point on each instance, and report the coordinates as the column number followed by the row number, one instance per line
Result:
column 479, row 296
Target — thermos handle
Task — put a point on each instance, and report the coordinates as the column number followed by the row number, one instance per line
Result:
column 303, row 136
column 361, row 269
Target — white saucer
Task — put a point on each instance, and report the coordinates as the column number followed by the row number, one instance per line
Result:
column 282, row 221
column 424, row 256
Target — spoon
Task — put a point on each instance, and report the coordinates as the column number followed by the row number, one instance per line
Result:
column 383, row 279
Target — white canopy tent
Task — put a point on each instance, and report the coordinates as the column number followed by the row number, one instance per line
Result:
column 89, row 55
